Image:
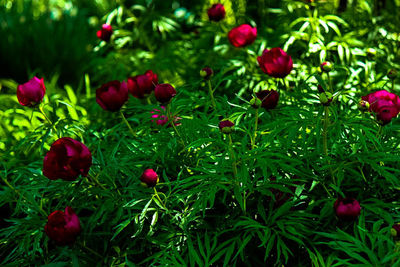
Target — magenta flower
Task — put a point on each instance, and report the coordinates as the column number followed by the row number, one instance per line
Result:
column 384, row 104
column 275, row 62
column 31, row 93
column 242, row 35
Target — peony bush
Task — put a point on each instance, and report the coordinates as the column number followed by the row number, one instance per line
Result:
column 226, row 133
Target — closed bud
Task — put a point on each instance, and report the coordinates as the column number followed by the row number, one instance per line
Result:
column 363, row 105
column 325, row 98
column 226, row 126
column 149, row 178
column 255, row 102
column 206, row 73
column 326, row 66
column 392, row 74
column 395, row 231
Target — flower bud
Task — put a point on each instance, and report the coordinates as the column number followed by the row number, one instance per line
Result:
column 363, row 105
column 206, row 73
column 105, row 32
column 255, row 102
column 395, row 231
column 164, row 93
column 347, row 208
column 226, row 126
column 216, row 12
column 392, row 74
column 326, row 66
column 269, row 98
column 31, row 93
column 149, row 178
column 325, row 98
column 63, row 227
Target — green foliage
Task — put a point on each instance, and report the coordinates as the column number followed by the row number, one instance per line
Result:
column 223, row 200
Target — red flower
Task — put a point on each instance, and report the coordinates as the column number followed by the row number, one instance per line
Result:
column 105, row 32
column 67, row 159
column 112, row 95
column 141, row 85
column 347, row 208
column 216, row 12
column 32, row 92
column 162, row 119
column 149, row 178
column 275, row 62
column 63, row 227
column 384, row 104
column 164, row 92
column 242, row 35
column 269, row 98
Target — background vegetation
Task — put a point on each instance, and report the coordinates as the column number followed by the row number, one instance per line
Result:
column 279, row 209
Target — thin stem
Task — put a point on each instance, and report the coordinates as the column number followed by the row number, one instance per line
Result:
column 325, row 141
column 330, row 82
column 171, row 120
column 211, row 94
column 255, row 130
column 325, row 134
column 232, row 156
column 392, row 85
column 96, row 181
column 49, row 121
column 127, row 124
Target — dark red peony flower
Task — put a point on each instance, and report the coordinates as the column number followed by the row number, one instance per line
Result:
column 164, row 92
column 149, row 178
column 384, row 104
column 31, row 93
column 347, row 208
column 162, row 119
column 142, row 85
column 105, row 32
column 206, row 73
column 269, row 98
column 275, row 62
column 67, row 159
column 216, row 12
column 63, row 227
column 242, row 35
column 112, row 95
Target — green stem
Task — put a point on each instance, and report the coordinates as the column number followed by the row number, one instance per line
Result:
column 232, row 156
column 325, row 140
column 211, row 94
column 127, row 124
column 255, row 130
column 171, row 120
column 330, row 82
column 392, row 85
column 49, row 121
column 96, row 181
column 325, row 134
